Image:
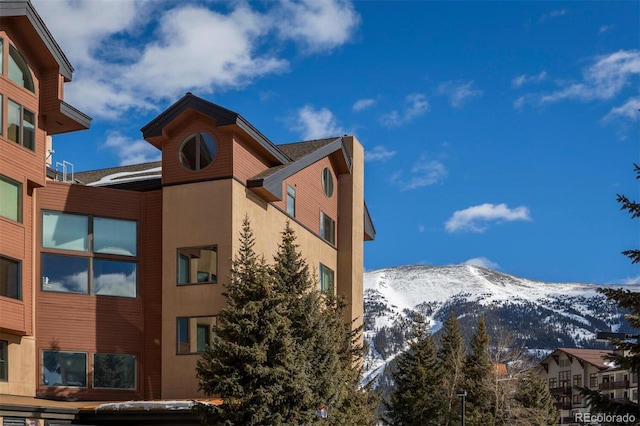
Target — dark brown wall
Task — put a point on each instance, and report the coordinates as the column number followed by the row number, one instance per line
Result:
column 151, row 293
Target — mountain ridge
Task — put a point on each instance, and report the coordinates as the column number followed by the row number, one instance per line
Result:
column 540, row 315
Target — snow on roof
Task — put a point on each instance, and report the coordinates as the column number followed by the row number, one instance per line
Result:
column 121, row 177
column 175, row 405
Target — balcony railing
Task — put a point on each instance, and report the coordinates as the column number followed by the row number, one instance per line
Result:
column 561, row 390
column 624, row 384
column 563, row 405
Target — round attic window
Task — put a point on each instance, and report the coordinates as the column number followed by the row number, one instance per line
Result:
column 198, row 151
column 327, row 182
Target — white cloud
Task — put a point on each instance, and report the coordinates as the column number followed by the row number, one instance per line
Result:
column 318, row 25
column 458, row 92
column 629, row 110
column 363, row 104
column 524, row 79
column 417, row 105
column 519, row 103
column 604, row 28
column 425, row 172
column 482, row 261
column 476, row 218
column 378, row 153
column 553, row 14
column 603, row 80
column 131, row 151
column 317, row 123
column 141, row 52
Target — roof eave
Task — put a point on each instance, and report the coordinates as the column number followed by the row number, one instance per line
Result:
column 272, row 184
column 369, row 229
column 224, row 117
column 19, row 8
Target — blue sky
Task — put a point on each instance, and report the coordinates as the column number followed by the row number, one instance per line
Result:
column 496, row 133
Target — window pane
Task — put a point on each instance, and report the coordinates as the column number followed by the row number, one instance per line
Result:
column 188, row 154
column 18, row 70
column 207, row 150
column 4, row 368
column 64, row 368
column 195, row 334
column 114, row 371
column 326, row 279
column 65, row 231
column 10, row 199
column 291, row 201
column 10, row 278
column 327, row 182
column 198, row 265
column 327, row 228
column 114, row 278
column 114, row 236
column 13, row 121
column 65, row 273
column 28, row 129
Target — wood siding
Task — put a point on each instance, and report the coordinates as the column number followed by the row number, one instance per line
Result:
column 247, row 161
column 29, row 163
column 310, row 196
column 89, row 323
column 189, row 123
column 151, row 294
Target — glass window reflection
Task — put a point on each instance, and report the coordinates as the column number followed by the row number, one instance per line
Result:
column 114, row 278
column 66, row 274
column 114, row 236
column 65, row 231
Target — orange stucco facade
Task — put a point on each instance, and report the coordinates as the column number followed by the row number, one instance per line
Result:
column 136, row 309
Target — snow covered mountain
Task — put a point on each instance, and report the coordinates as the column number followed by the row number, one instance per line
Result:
column 542, row 316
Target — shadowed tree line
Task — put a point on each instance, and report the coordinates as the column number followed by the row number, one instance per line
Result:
column 427, row 381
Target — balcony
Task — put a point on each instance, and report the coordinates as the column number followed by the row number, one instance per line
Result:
column 563, row 405
column 624, row 384
column 561, row 390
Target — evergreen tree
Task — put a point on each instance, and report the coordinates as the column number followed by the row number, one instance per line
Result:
column 417, row 397
column 533, row 404
column 325, row 344
column 451, row 356
column 629, row 358
column 478, row 372
column 253, row 365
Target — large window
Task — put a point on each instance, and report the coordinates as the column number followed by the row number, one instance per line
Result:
column 198, row 265
column 64, row 369
column 100, row 259
column 326, row 279
column 4, row 361
column 114, row 371
column 291, row 201
column 19, row 71
column 577, row 380
column 563, row 379
column 327, row 228
column 10, row 199
column 21, row 125
column 10, row 280
column 195, row 334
